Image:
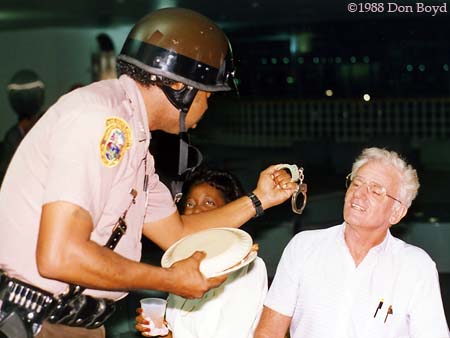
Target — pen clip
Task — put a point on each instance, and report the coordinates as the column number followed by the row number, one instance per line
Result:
column 380, row 305
column 389, row 312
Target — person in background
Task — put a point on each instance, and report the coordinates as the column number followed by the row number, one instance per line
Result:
column 26, row 96
column 81, row 190
column 356, row 279
column 206, row 189
column 104, row 60
column 232, row 309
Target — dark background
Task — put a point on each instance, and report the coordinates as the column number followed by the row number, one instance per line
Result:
column 316, row 85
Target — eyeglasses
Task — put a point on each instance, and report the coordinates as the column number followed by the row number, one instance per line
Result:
column 376, row 191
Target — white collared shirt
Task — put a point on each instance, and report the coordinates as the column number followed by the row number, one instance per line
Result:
column 318, row 285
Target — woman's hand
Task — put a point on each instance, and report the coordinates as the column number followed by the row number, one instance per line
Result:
column 141, row 325
column 140, row 321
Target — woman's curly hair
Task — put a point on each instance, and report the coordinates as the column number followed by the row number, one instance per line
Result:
column 229, row 186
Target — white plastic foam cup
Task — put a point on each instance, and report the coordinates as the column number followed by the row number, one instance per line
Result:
column 154, row 310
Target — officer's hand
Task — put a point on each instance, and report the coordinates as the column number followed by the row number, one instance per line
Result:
column 274, row 187
column 188, row 281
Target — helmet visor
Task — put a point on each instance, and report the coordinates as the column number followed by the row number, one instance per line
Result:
column 160, row 61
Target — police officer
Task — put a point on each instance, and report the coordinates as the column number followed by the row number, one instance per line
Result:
column 26, row 97
column 86, row 164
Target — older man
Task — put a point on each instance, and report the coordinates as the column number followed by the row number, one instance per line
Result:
column 356, row 279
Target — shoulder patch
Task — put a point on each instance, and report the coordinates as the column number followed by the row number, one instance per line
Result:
column 115, row 141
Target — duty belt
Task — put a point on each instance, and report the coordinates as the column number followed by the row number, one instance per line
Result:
column 23, row 307
column 30, row 303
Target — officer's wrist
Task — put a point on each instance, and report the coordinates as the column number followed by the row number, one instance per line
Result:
column 259, row 210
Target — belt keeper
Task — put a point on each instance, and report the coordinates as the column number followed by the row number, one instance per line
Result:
column 256, row 204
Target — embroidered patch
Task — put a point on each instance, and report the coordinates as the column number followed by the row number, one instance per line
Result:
column 115, row 141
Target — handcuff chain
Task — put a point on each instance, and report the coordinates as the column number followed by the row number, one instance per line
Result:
column 302, row 189
column 301, row 175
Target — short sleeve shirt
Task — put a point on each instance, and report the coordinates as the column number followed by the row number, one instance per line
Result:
column 318, row 285
column 88, row 149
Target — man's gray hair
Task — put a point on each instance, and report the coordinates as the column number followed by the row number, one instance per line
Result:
column 409, row 184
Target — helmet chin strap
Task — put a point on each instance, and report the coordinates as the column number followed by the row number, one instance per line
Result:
column 182, row 99
column 177, row 184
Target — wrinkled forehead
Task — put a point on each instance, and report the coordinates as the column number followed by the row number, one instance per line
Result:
column 381, row 173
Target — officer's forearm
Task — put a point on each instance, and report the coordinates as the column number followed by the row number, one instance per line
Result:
column 65, row 252
column 167, row 231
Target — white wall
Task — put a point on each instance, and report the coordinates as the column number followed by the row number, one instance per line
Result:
column 61, row 57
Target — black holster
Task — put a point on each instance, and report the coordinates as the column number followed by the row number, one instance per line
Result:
column 81, row 310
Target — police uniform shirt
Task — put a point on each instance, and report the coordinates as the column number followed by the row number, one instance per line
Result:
column 394, row 292
column 89, row 149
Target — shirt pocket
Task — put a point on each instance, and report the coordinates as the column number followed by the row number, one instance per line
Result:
column 389, row 322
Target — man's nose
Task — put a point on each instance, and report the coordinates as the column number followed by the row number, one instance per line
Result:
column 363, row 189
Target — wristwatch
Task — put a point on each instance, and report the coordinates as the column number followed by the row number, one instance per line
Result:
column 257, row 204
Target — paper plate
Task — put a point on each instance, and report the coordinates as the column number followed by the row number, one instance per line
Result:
column 227, row 249
column 247, row 260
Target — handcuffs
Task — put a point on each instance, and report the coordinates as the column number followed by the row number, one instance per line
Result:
column 296, row 176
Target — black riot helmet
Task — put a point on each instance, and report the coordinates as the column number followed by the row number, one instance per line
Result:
column 181, row 45
column 26, row 93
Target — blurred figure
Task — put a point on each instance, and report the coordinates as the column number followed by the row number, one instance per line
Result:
column 104, row 61
column 26, row 97
column 232, row 309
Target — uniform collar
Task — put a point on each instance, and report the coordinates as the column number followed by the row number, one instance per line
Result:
column 137, row 103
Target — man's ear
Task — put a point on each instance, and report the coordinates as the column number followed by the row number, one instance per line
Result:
column 398, row 212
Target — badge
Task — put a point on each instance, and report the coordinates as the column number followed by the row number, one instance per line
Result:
column 115, row 141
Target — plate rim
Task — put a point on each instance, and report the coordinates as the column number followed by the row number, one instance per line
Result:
column 246, row 261
column 169, row 250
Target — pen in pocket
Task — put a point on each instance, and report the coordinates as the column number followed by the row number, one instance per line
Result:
column 380, row 305
column 389, row 312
